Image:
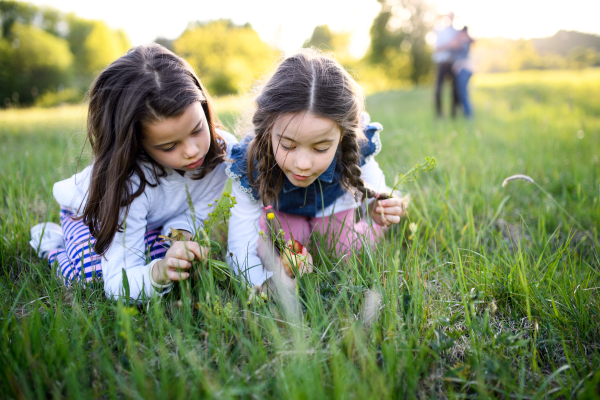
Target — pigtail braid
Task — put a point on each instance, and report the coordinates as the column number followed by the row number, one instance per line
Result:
column 351, row 175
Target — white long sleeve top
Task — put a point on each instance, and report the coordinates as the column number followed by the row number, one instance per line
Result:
column 165, row 205
column 244, row 223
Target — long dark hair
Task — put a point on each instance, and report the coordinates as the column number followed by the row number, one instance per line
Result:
column 312, row 82
column 146, row 85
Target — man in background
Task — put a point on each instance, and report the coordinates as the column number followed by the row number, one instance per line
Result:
column 442, row 57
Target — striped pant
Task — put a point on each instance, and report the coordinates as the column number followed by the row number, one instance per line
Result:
column 78, row 260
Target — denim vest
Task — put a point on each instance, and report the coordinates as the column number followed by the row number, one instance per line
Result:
column 323, row 192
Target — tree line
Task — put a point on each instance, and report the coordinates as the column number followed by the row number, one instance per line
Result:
column 48, row 57
column 46, row 53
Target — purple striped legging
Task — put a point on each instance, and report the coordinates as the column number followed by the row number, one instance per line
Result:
column 78, row 260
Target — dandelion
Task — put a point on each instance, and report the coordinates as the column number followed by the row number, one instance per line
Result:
column 261, row 233
column 518, row 176
column 270, row 215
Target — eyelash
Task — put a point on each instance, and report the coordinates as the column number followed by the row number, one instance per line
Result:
column 317, row 150
column 173, row 147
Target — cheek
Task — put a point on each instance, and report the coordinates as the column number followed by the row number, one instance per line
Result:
column 281, row 158
column 325, row 161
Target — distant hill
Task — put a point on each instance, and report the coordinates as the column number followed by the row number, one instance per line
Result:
column 565, row 41
column 564, row 50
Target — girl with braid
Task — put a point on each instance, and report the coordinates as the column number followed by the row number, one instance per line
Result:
column 308, row 163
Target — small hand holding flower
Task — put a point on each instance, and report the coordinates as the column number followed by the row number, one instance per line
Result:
column 178, row 261
column 389, row 211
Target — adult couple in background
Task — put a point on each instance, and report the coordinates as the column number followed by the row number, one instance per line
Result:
column 451, row 57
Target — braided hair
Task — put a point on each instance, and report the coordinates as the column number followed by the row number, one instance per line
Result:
column 308, row 81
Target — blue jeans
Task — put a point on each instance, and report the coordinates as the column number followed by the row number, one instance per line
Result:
column 462, row 80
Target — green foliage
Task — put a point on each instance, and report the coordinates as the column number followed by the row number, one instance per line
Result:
column 228, row 58
column 31, row 62
column 12, row 12
column 42, row 50
column 336, row 42
column 56, row 98
column 460, row 309
column 398, row 40
column 102, row 46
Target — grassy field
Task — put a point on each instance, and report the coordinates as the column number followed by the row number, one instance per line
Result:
column 494, row 295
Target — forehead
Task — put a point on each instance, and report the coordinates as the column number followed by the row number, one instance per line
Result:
column 305, row 127
column 175, row 127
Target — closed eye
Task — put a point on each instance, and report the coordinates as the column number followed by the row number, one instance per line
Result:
column 198, row 130
column 170, row 148
column 323, row 150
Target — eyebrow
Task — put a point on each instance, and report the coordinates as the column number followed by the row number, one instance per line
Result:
column 292, row 140
column 173, row 141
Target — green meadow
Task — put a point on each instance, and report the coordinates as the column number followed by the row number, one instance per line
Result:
column 484, row 291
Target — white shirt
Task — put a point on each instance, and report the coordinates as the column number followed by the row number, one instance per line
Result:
column 165, row 205
column 244, row 223
column 443, row 37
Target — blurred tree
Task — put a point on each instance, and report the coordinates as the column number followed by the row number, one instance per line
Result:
column 581, row 57
column 321, row 38
column 102, row 46
column 12, row 12
column 327, row 41
column 398, row 39
column 32, row 61
column 94, row 44
column 42, row 49
column 168, row 43
column 227, row 57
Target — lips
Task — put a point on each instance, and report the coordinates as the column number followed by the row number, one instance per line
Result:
column 195, row 164
column 300, row 177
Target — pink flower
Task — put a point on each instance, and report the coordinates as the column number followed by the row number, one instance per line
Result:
column 268, row 207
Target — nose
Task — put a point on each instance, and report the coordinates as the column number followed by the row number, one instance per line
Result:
column 303, row 161
column 191, row 149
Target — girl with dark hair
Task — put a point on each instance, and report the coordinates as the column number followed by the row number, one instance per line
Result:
column 155, row 140
column 307, row 164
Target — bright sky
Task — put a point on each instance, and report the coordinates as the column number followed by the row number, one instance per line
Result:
column 288, row 24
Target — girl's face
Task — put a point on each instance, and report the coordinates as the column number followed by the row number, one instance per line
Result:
column 179, row 143
column 304, row 146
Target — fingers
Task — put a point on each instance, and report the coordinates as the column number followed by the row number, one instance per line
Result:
column 178, row 259
column 177, row 269
column 187, row 251
column 176, row 263
column 390, row 210
column 177, row 275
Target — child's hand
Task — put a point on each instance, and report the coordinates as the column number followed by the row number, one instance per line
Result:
column 284, row 276
column 177, row 262
column 296, row 261
column 389, row 211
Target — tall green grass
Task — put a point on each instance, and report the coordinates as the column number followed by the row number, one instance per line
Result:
column 495, row 295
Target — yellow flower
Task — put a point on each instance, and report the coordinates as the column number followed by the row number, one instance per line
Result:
column 270, row 215
column 261, row 233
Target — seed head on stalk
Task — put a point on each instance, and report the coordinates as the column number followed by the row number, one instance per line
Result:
column 517, row 177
